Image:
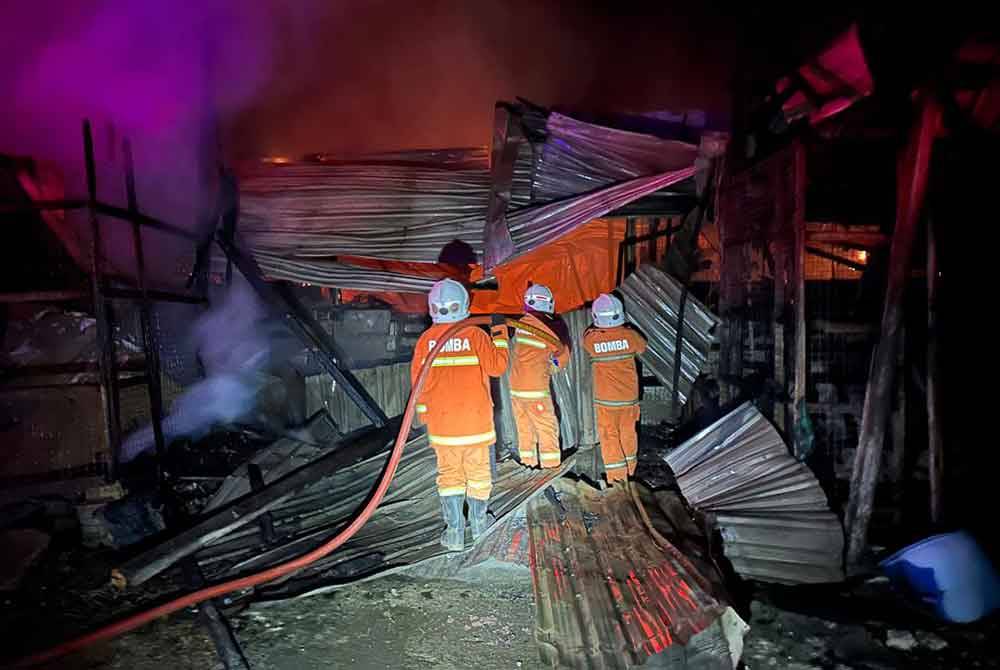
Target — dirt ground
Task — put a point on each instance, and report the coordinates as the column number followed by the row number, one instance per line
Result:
column 486, row 619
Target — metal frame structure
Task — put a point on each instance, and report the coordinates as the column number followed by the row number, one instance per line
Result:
column 278, row 297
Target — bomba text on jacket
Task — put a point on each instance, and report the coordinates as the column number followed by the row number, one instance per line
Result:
column 610, row 347
column 452, row 345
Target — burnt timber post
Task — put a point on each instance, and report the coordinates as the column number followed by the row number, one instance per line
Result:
column 935, row 443
column 150, row 344
column 105, row 342
column 912, row 174
column 799, row 296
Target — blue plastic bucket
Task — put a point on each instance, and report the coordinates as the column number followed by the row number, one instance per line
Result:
column 950, row 574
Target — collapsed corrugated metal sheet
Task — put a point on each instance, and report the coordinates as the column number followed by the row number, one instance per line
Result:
column 773, row 516
column 322, row 272
column 607, row 597
column 407, row 206
column 404, row 530
column 578, row 157
column 652, row 302
column 398, row 212
column 533, row 227
column 297, row 255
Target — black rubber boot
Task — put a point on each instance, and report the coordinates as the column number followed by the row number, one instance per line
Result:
column 453, row 537
column 477, row 517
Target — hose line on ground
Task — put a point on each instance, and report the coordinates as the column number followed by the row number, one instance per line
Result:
column 282, row 569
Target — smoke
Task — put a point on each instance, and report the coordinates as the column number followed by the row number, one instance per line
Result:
column 236, row 346
column 165, row 74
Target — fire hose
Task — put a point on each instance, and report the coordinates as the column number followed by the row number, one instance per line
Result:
column 282, row 569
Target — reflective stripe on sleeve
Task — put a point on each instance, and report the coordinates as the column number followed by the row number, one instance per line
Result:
column 454, row 361
column 529, row 394
column 462, row 440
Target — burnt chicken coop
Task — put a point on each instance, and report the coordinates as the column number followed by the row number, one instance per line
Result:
column 595, row 386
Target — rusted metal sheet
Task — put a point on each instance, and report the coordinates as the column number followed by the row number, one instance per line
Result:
column 608, row 597
column 774, row 518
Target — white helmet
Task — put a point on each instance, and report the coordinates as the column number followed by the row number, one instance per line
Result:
column 539, row 298
column 448, row 301
column 608, row 311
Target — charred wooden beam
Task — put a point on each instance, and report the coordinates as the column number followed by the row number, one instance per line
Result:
column 227, row 645
column 935, row 441
column 250, row 507
column 266, row 521
column 798, row 405
column 914, row 165
column 818, row 233
column 43, row 296
column 105, row 342
column 150, row 345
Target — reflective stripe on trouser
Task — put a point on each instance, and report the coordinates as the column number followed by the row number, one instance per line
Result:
column 619, row 442
column 537, row 427
column 464, row 471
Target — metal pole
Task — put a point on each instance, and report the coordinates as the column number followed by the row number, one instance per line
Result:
column 106, row 358
column 150, row 344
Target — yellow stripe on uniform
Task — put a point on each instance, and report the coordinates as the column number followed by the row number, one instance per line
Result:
column 452, row 491
column 479, row 484
column 421, row 409
column 614, row 357
column 526, row 453
column 616, row 403
column 551, row 457
column 454, row 361
column 529, row 394
column 614, row 466
column 520, row 339
column 500, row 344
column 462, row 440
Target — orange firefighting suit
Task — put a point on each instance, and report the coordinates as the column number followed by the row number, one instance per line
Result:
column 456, row 406
column 534, row 413
column 616, row 395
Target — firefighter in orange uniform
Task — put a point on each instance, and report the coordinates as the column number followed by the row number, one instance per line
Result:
column 613, row 347
column 456, row 406
column 535, row 360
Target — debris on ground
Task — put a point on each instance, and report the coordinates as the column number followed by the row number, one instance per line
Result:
column 900, row 639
